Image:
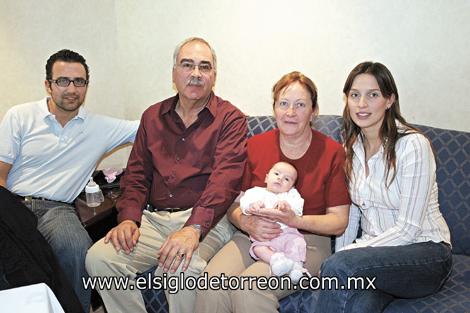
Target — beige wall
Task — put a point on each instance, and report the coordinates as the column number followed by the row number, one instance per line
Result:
column 128, row 46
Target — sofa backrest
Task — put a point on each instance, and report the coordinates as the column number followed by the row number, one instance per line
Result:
column 452, row 150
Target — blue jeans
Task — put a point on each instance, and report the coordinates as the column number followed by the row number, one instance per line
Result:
column 410, row 271
column 59, row 224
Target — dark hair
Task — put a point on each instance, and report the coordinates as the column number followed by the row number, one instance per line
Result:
column 291, row 78
column 66, row 56
column 388, row 134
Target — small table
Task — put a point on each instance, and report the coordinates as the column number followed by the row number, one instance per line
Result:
column 99, row 220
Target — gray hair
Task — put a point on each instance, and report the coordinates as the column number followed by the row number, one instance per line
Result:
column 191, row 39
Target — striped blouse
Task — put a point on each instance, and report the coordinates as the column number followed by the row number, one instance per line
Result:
column 407, row 211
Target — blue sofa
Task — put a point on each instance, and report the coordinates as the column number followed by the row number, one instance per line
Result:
column 452, row 149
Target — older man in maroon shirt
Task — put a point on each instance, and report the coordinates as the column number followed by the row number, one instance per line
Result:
column 183, row 173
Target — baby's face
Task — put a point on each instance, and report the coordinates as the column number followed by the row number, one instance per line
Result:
column 281, row 178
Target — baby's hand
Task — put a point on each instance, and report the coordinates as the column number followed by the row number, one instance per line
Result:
column 280, row 205
column 255, row 207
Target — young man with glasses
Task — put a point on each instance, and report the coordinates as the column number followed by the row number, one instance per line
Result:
column 183, row 173
column 48, row 151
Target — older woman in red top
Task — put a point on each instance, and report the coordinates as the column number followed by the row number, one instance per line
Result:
column 321, row 181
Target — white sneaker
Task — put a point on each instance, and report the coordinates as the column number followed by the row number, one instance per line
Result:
column 297, row 272
column 280, row 264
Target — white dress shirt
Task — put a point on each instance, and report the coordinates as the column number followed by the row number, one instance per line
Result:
column 407, row 211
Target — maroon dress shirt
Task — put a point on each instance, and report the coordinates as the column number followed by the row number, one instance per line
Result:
column 172, row 166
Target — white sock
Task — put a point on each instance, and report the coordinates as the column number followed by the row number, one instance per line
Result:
column 297, row 272
column 280, row 264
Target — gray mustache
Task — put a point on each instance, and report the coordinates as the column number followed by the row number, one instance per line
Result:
column 195, row 81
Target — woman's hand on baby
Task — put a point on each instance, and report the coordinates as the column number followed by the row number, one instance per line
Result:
column 282, row 206
column 260, row 228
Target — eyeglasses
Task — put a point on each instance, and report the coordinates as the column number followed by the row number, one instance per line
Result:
column 65, row 82
column 190, row 66
column 297, row 106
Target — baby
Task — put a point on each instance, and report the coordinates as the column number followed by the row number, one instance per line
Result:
column 286, row 253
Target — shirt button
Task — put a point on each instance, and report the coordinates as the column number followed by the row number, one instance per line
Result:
column 177, row 158
column 170, row 195
column 183, row 139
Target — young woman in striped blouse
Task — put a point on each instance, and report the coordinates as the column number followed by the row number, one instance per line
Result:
column 404, row 249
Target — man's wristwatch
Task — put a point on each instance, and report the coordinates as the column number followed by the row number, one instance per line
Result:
column 196, row 227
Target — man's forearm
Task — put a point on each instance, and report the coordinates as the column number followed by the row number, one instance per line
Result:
column 4, row 170
column 234, row 214
column 127, row 213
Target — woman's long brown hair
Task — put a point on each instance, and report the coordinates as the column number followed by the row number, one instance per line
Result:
column 389, row 133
